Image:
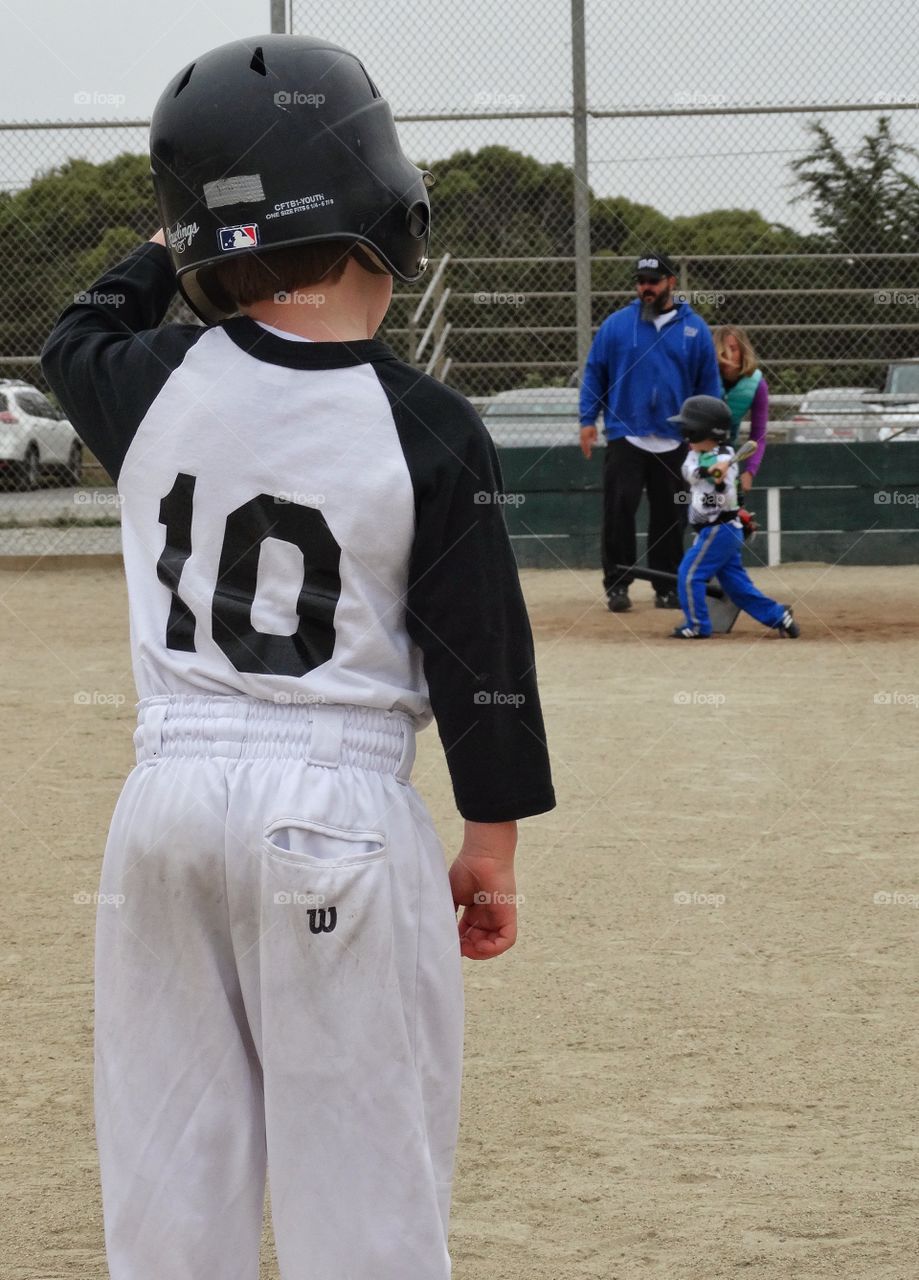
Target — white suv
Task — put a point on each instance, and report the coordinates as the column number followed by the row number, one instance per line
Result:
column 34, row 438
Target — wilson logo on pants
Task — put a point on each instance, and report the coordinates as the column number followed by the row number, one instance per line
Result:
column 322, row 921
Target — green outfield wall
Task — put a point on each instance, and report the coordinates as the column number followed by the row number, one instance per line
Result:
column 835, row 503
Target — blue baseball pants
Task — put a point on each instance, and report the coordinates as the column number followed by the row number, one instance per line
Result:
column 716, row 553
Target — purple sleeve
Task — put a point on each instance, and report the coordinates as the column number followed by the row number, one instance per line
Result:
column 759, row 417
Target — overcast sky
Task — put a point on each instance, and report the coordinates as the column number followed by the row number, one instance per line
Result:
column 110, row 59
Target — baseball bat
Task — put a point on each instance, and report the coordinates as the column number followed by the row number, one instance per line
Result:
column 661, row 579
column 746, row 450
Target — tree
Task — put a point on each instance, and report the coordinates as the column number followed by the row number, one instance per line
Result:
column 60, row 233
column 869, row 204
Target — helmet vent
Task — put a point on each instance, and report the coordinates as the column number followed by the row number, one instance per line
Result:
column 258, row 62
column 184, row 81
column 373, row 89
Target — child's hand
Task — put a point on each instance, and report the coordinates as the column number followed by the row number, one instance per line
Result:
column 159, row 238
column 483, row 884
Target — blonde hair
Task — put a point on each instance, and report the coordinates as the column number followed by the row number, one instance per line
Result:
column 748, row 361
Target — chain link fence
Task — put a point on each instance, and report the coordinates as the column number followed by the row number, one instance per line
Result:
column 772, row 155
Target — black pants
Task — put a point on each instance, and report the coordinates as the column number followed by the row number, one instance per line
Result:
column 627, row 470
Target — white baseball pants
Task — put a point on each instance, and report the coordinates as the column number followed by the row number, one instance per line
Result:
column 277, row 983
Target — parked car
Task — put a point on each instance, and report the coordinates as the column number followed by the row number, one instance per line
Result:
column 902, row 378
column 537, row 416
column 901, row 420
column 837, row 413
column 35, row 439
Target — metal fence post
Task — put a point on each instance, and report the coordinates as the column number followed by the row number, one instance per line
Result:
column 279, row 16
column 581, row 209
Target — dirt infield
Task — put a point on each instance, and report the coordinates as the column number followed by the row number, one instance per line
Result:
column 698, row 1062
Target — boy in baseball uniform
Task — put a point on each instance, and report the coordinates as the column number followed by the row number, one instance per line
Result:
column 714, row 516
column 313, row 575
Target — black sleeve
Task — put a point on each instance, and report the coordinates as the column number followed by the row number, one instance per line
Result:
column 465, row 609
column 107, row 361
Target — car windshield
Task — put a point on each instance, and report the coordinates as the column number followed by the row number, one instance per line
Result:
column 904, row 379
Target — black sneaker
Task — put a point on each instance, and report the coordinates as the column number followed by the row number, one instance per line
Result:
column 788, row 626
column 686, row 633
column 666, row 600
column 618, row 601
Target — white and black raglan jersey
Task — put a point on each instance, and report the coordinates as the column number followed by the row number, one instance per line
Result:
column 307, row 521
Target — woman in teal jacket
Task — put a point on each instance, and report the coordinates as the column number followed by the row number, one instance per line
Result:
column 745, row 390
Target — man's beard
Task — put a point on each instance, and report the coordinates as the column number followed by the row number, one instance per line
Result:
column 653, row 307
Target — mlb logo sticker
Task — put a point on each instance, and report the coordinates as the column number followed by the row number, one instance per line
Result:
column 238, row 237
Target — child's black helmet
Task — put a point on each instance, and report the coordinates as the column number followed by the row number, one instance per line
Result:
column 704, row 418
column 279, row 141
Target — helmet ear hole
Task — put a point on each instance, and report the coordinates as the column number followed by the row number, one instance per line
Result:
column 418, row 219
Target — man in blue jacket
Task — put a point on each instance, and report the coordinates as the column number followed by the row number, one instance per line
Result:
column 645, row 360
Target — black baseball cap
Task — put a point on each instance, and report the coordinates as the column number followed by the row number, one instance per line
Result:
column 654, row 264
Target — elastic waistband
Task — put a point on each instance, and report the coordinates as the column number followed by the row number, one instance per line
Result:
column 241, row 728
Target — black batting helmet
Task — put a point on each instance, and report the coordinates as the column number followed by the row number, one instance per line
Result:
column 279, row 141
column 704, row 418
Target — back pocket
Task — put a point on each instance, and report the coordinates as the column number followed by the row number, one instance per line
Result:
column 303, row 841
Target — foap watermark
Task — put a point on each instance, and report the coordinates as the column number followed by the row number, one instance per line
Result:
column 97, row 498
column 685, row 898
column 94, row 98
column 896, row 698
column 483, row 498
column 897, row 498
column 481, row 898
column 85, row 899
column 895, row 898
column 490, row 100
column 300, row 499
column 299, row 298
column 297, row 98
column 699, row 698
column 896, row 298
column 484, row 698
column 495, row 299
column 96, row 698
column 700, row 297
column 297, row 699
column 884, row 98
column 97, row 299
column 297, row 898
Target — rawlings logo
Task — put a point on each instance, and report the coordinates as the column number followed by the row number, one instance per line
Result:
column 181, row 235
